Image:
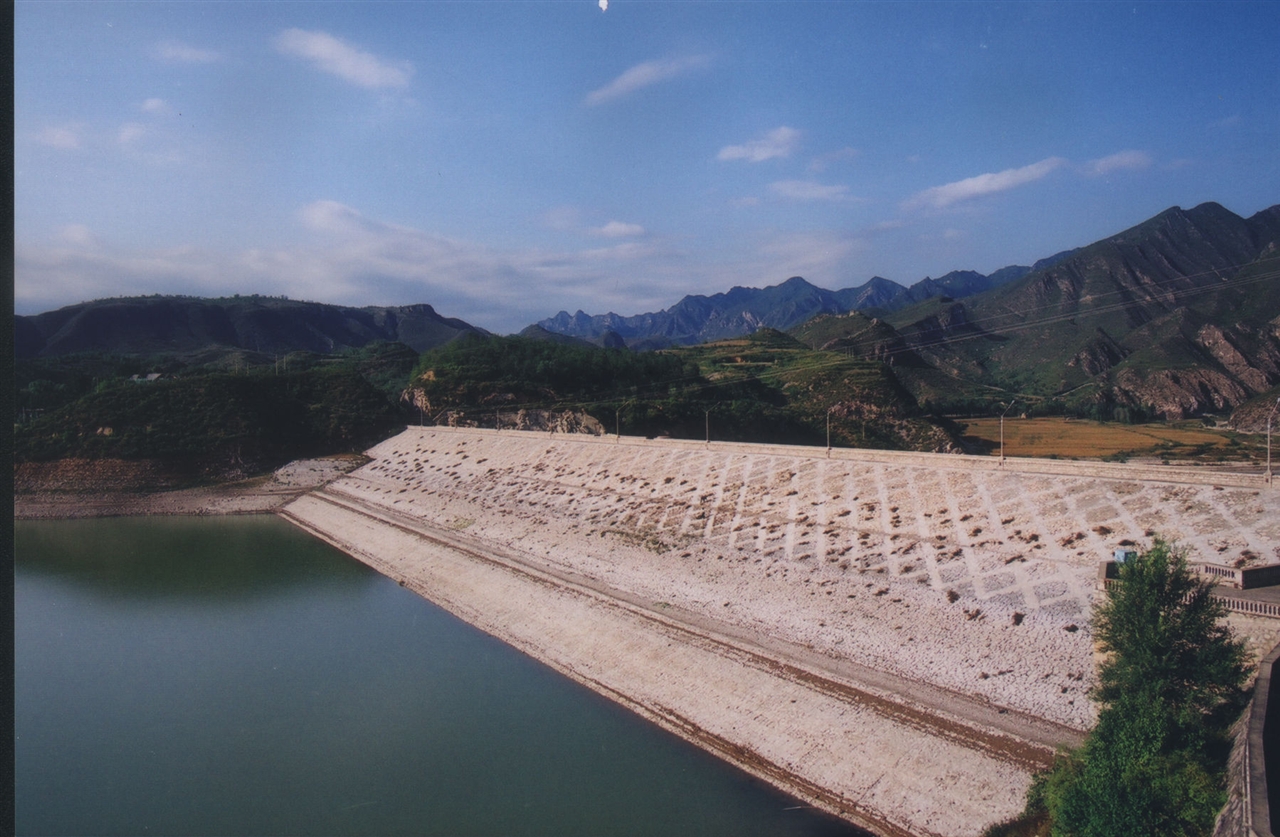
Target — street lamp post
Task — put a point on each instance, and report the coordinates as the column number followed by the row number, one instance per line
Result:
column 1002, row 415
column 1270, row 415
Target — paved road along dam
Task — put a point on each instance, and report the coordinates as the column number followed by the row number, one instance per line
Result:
column 901, row 639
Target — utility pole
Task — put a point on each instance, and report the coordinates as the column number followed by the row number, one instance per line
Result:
column 1269, row 417
column 1002, row 415
column 829, row 409
column 617, row 419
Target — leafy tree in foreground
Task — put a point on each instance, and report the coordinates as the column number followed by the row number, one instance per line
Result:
column 1168, row 692
column 1164, row 637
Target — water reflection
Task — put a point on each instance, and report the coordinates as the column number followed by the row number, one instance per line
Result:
column 180, row 557
column 235, row 676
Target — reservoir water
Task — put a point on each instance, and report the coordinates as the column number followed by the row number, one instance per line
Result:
column 235, row 676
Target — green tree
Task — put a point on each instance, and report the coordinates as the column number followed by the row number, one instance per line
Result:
column 1164, row 637
column 1168, row 691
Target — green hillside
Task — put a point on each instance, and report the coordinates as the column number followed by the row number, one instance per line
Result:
column 768, row 387
column 208, row 420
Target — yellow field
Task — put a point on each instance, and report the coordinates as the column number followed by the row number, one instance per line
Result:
column 1073, row 438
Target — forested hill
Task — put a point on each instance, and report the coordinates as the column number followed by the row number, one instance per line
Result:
column 271, row 325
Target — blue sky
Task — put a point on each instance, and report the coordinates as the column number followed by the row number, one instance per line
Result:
column 506, row 160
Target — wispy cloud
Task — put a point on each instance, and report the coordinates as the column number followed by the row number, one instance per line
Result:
column 779, row 142
column 337, row 57
column 343, row 256
column 644, row 75
column 130, row 132
column 1121, row 161
column 619, row 229
column 822, row 161
column 154, row 106
column 822, row 256
column 65, row 137
column 943, row 196
column 77, row 235
column 176, row 52
column 807, row 190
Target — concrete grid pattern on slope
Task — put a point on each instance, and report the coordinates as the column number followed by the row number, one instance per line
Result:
column 1009, row 536
column 941, row 569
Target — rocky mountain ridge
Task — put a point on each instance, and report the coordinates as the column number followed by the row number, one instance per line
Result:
column 1178, row 316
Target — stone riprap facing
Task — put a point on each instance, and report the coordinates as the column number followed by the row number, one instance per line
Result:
column 914, row 583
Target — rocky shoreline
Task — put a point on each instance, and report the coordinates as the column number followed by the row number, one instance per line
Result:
column 71, row 489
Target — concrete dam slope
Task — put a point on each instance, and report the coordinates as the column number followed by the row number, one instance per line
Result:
column 900, row 639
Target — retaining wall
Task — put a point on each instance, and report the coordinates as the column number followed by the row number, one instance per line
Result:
column 1248, row 809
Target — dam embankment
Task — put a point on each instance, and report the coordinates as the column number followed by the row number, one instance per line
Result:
column 900, row 639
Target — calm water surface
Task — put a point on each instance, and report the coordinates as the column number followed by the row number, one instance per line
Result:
column 235, row 676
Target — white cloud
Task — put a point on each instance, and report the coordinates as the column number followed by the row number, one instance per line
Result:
column 65, row 137
column 176, row 52
column 334, row 217
column 339, row 255
column 821, row 257
column 618, row 229
column 1122, row 161
column 943, row 196
column 807, row 190
column 335, row 56
column 779, row 142
column 644, row 75
column 154, row 106
column 627, row 251
column 131, row 132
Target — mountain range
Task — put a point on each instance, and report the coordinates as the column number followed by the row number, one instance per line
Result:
column 178, row 324
column 1174, row 317
column 700, row 319
column 1177, row 316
